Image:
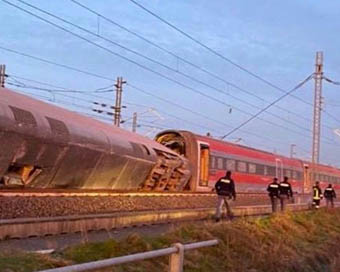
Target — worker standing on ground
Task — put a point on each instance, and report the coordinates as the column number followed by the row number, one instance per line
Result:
column 274, row 194
column 329, row 194
column 285, row 193
column 225, row 189
column 317, row 195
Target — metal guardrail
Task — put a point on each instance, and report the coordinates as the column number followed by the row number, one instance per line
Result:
column 176, row 253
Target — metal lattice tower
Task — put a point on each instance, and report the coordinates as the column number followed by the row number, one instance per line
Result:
column 317, row 107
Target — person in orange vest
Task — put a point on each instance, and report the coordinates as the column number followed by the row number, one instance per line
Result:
column 317, row 195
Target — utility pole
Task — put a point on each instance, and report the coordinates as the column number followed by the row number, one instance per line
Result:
column 118, row 106
column 317, row 107
column 2, row 75
column 134, row 122
column 292, row 152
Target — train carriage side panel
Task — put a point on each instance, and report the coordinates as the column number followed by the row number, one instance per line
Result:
column 70, row 150
column 253, row 169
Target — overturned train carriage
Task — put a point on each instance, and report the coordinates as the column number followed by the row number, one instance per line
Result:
column 44, row 146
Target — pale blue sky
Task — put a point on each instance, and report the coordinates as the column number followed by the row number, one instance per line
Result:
column 274, row 39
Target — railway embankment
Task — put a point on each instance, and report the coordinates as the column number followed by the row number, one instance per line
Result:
column 303, row 241
column 53, row 206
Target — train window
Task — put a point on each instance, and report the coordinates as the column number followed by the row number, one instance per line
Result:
column 241, row 166
column 23, row 116
column 230, row 165
column 300, row 175
column 271, row 171
column 212, row 162
column 252, row 168
column 58, row 127
column 265, row 168
column 220, row 163
column 259, row 169
column 287, row 173
column 294, row 175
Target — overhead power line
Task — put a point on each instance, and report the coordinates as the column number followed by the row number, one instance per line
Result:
column 22, row 85
column 242, row 68
column 58, row 89
column 55, row 63
column 204, row 116
column 268, row 106
column 52, row 91
column 143, row 66
column 77, row 70
column 184, row 60
column 165, row 66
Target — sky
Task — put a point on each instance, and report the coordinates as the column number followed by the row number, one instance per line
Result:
column 275, row 40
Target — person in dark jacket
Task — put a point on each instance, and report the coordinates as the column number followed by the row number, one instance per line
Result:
column 329, row 194
column 317, row 195
column 225, row 189
column 274, row 193
column 285, row 193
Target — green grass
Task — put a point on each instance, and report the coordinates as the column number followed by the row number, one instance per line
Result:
column 304, row 241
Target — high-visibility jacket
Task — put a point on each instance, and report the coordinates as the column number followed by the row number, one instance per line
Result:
column 317, row 193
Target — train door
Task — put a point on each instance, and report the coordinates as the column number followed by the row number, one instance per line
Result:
column 279, row 169
column 203, row 164
column 306, row 179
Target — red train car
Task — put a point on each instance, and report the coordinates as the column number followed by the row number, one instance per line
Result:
column 252, row 168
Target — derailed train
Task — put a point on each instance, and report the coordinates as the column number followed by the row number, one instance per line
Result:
column 44, row 146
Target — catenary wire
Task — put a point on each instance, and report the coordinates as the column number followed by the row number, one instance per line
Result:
column 166, row 66
column 147, row 68
column 185, row 60
column 268, row 106
column 242, row 68
column 145, row 92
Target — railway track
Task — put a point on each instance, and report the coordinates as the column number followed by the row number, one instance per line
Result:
column 76, row 192
column 36, row 204
column 37, row 227
column 26, row 213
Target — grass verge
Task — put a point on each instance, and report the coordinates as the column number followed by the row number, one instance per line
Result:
column 305, row 241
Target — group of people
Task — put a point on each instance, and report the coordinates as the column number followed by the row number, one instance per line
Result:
column 279, row 192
